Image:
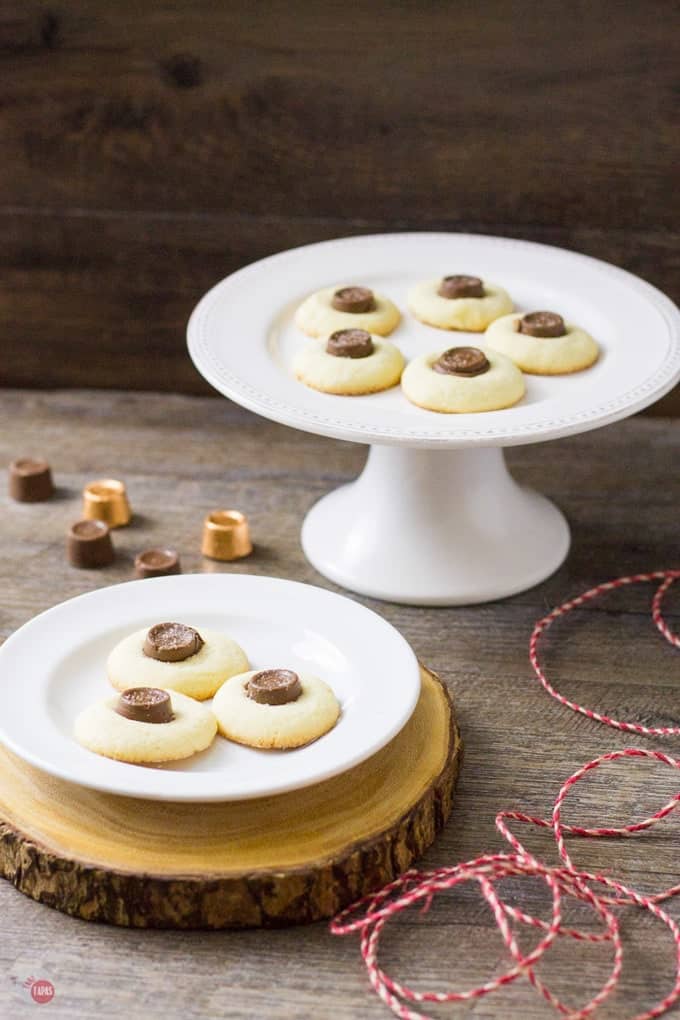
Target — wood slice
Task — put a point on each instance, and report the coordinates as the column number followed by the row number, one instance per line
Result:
column 289, row 859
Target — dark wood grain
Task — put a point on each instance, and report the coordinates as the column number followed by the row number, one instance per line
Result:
column 620, row 489
column 537, row 111
column 150, row 149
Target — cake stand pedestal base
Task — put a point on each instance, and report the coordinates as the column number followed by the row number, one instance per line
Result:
column 435, row 528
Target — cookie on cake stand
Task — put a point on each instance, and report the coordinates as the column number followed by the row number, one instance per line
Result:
column 542, row 343
column 350, row 363
column 347, row 307
column 458, row 301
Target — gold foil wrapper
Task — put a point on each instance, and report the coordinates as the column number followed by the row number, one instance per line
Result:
column 226, row 535
column 106, row 500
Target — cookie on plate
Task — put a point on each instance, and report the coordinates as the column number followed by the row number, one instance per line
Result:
column 351, row 362
column 275, row 708
column 177, row 657
column 346, row 307
column 462, row 380
column 542, row 343
column 145, row 725
column 458, row 302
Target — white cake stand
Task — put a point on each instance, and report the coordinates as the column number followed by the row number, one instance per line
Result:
column 435, row 518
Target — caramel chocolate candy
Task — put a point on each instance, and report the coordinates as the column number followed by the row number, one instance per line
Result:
column 353, row 300
column 106, row 500
column 226, row 535
column 350, row 343
column 157, row 563
column 465, row 361
column 542, row 324
column 459, row 286
column 145, row 704
column 30, row 480
column 274, row 686
column 172, row 642
column 89, row 544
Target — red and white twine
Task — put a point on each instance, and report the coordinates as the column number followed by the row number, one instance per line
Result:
column 601, row 892
column 667, row 577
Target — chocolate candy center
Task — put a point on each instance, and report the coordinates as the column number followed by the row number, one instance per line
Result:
column 145, row 704
column 28, row 466
column 353, row 300
column 30, row 480
column 158, row 559
column 459, row 286
column 542, row 324
column 350, row 343
column 172, row 642
column 89, row 531
column 274, row 686
column 156, row 563
column 89, row 544
column 465, row 361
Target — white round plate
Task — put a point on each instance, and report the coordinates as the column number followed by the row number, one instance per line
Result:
column 242, row 338
column 55, row 665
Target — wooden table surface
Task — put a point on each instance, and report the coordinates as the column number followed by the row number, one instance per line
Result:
column 182, row 456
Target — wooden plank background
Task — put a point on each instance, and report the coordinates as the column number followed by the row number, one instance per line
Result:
column 150, row 148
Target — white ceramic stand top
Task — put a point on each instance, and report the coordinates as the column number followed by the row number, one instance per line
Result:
column 435, row 518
